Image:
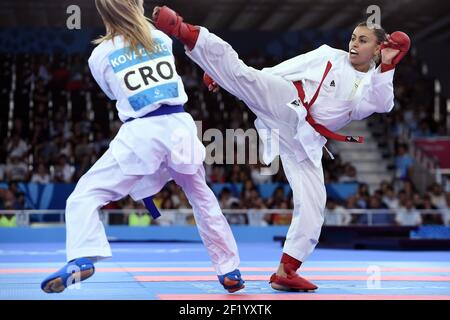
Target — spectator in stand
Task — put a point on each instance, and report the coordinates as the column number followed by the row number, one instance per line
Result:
column 363, row 196
column 65, row 147
column 158, row 199
column 429, row 213
column 41, row 175
column 236, row 218
column 141, row 218
column 246, row 192
column 61, row 126
column 83, row 148
column 63, row 171
column 226, row 199
column 85, row 124
column 408, row 215
column 282, row 218
column 251, row 199
column 277, row 200
column 403, row 163
column 16, row 147
column 168, row 217
column 411, row 118
column 174, row 191
column 49, row 151
column 184, row 203
column 17, row 170
column 399, row 126
column 13, row 198
column 115, row 218
column 333, row 168
column 260, row 174
column 349, row 174
column 424, row 130
column 217, row 174
column 336, row 215
column 352, row 203
column 390, row 199
column 437, row 195
column 234, row 174
column 39, row 138
column 409, row 188
column 256, row 217
column 384, row 186
column 382, row 215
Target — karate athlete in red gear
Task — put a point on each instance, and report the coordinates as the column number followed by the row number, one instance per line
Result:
column 304, row 99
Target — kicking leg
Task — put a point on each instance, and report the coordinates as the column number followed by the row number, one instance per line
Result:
column 264, row 94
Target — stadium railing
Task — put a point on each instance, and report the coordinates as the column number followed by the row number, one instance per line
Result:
column 255, row 217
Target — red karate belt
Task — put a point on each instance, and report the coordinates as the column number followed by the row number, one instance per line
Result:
column 318, row 127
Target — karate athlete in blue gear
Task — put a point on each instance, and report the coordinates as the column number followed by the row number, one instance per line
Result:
column 134, row 65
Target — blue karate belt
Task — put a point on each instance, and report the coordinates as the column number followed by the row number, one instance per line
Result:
column 162, row 110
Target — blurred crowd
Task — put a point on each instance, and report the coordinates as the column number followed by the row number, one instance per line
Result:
column 55, row 123
column 407, row 207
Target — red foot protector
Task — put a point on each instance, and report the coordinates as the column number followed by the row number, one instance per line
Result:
column 292, row 281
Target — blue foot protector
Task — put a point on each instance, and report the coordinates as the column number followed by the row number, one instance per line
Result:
column 73, row 272
column 232, row 281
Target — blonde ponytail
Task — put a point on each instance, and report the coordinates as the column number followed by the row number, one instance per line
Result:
column 125, row 18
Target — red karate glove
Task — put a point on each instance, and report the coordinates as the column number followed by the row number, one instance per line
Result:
column 397, row 41
column 210, row 83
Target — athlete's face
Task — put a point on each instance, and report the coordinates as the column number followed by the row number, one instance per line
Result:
column 363, row 46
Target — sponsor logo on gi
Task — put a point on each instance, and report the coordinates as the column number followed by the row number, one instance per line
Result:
column 296, row 103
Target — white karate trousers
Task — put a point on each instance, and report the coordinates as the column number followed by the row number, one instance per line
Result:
column 106, row 182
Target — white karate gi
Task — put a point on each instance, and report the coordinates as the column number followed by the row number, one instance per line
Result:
column 146, row 153
column 271, row 95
